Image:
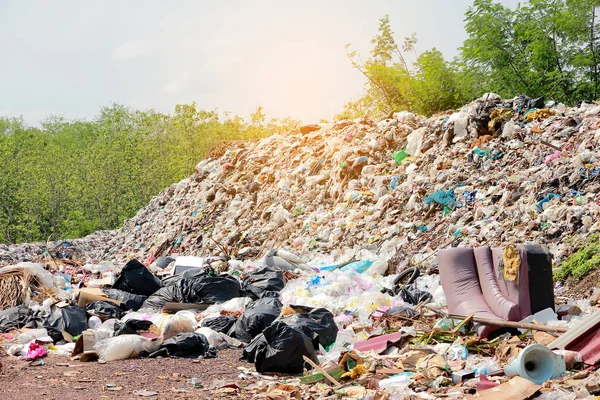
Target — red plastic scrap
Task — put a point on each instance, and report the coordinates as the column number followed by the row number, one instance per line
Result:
column 584, row 338
column 588, row 345
column 380, row 343
column 484, row 383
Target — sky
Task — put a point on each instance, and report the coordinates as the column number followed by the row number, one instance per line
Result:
column 72, row 57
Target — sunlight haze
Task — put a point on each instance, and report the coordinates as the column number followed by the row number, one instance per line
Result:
column 71, row 58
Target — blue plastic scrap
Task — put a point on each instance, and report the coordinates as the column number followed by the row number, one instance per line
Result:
column 394, row 183
column 470, row 196
column 442, row 197
column 540, row 205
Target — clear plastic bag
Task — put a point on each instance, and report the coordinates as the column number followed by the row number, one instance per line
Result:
column 125, row 346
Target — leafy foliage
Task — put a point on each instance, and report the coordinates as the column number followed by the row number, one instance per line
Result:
column 583, row 261
column 428, row 85
column 70, row 178
column 544, row 48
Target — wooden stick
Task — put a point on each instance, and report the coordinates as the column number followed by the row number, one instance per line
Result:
column 512, row 324
column 464, row 321
column 550, row 145
column 321, row 370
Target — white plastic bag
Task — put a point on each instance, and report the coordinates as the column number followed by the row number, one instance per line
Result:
column 171, row 325
column 125, row 346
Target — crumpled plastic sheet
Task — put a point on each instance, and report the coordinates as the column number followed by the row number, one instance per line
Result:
column 36, row 351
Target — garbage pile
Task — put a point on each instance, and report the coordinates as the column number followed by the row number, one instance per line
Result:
column 340, row 330
column 492, row 172
column 314, row 254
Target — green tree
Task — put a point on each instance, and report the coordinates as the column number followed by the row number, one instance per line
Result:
column 541, row 48
column 70, row 178
column 428, row 85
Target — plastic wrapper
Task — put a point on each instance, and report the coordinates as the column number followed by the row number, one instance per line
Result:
column 35, row 351
column 94, row 322
column 43, row 276
column 33, row 334
column 215, row 339
column 171, row 325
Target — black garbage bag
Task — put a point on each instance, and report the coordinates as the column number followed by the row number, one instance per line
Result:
column 163, row 262
column 269, row 293
column 414, row 296
column 167, row 294
column 129, row 301
column 193, row 273
column 280, row 348
column 317, row 324
column 258, row 315
column 132, row 327
column 213, row 289
column 186, row 345
column 14, row 318
column 537, row 103
column 105, row 309
column 402, row 311
column 524, row 103
column 266, row 279
column 220, row 324
column 206, row 289
column 137, row 279
column 71, row 319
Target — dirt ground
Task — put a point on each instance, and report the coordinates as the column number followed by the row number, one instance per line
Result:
column 63, row 379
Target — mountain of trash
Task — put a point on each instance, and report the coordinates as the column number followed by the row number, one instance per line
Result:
column 495, row 171
column 316, row 253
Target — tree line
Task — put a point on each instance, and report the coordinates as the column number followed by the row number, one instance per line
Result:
column 548, row 48
column 66, row 179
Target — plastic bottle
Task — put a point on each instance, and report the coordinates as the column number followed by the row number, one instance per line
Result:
column 457, row 352
column 485, row 367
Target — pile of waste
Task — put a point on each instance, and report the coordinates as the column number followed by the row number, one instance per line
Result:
column 492, row 172
column 320, row 254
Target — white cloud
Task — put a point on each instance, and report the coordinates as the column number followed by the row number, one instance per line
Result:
column 134, row 48
column 177, row 84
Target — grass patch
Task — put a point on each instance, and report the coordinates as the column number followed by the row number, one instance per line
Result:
column 582, row 262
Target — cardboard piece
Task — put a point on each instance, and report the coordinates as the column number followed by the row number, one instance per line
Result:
column 89, row 295
column 85, row 344
column 515, row 389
